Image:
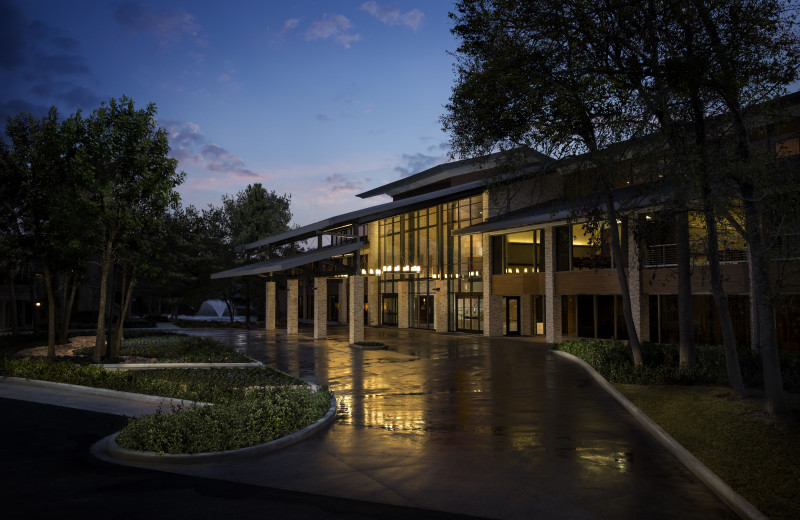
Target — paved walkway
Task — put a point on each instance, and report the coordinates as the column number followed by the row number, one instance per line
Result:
column 498, row 428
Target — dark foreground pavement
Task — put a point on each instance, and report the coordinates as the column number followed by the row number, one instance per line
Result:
column 48, row 472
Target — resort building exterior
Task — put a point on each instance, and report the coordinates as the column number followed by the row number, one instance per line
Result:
column 496, row 248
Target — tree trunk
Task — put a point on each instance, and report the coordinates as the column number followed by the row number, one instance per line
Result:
column 688, row 352
column 35, row 312
column 51, row 313
column 723, row 311
column 247, row 304
column 66, row 314
column 126, row 300
column 105, row 265
column 12, row 294
column 616, row 252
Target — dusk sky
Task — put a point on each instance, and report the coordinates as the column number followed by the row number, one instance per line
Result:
column 317, row 99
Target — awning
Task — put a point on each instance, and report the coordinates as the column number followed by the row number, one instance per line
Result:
column 284, row 264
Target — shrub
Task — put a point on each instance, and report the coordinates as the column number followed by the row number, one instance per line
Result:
column 264, row 416
column 660, row 364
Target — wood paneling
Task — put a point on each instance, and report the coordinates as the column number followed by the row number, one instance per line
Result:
column 516, row 284
column 665, row 280
column 602, row 281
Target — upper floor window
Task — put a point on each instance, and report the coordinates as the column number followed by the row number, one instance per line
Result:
column 518, row 253
column 578, row 249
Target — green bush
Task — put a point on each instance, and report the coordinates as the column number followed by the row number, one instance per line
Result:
column 265, row 415
column 176, row 348
column 660, row 364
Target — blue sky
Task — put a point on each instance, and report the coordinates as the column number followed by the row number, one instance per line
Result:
column 317, row 99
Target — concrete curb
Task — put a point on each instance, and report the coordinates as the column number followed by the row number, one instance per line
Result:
column 731, row 498
column 108, row 450
column 101, row 392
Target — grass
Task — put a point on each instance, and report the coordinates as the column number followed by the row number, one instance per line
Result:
column 758, row 457
column 251, row 405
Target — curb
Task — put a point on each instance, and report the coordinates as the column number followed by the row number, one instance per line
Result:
column 153, row 366
column 731, row 498
column 108, row 450
column 101, row 392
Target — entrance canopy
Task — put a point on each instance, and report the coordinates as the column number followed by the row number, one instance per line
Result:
column 284, row 264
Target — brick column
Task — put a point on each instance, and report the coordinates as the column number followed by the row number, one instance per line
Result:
column 526, row 315
column 552, row 300
column 374, row 308
column 356, row 308
column 441, row 301
column 292, row 301
column 320, row 308
column 402, row 304
column 271, row 302
column 343, row 301
column 492, row 304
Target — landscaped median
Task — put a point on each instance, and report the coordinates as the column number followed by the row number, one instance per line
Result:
column 757, row 456
column 249, row 406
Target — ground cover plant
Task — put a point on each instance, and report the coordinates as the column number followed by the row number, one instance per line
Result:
column 250, row 405
column 265, row 415
column 757, row 456
column 176, row 348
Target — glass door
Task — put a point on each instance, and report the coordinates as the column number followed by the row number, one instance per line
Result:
column 422, row 312
column 389, row 309
column 511, row 324
column 469, row 312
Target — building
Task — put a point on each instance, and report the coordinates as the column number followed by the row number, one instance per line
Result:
column 491, row 247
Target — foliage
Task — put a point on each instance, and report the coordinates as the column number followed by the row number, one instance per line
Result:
column 264, row 416
column 660, row 366
column 766, row 466
column 176, row 348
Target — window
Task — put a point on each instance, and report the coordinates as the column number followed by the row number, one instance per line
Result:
column 578, row 249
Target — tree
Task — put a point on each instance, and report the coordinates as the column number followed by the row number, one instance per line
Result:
column 133, row 181
column 252, row 214
column 43, row 213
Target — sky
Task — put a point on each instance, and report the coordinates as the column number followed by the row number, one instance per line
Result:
column 316, row 99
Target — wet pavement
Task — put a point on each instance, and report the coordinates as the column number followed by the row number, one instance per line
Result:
column 497, row 428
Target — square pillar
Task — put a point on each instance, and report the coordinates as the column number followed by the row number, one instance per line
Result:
column 320, row 308
column 356, row 308
column 526, row 315
column 292, row 303
column 640, row 304
column 440, row 306
column 402, row 304
column 552, row 300
column 271, row 302
column 374, row 301
column 343, row 307
column 492, row 304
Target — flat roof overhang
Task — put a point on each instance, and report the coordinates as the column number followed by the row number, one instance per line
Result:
column 284, row 264
column 366, row 215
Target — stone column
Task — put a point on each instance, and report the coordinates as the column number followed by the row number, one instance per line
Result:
column 492, row 304
column 343, row 306
column 292, row 302
column 374, row 308
column 402, row 304
column 356, row 308
column 440, row 306
column 271, row 302
column 320, row 308
column 552, row 301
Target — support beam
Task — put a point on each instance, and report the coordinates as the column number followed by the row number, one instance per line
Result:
column 270, row 305
column 292, row 303
column 356, row 308
column 440, row 304
column 492, row 304
column 343, row 307
column 552, row 301
column 374, row 301
column 320, row 308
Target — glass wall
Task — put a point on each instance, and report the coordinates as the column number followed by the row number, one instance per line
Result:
column 593, row 316
column 518, row 253
column 578, row 249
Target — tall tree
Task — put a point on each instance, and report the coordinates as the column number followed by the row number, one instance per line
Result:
column 133, row 181
column 252, row 214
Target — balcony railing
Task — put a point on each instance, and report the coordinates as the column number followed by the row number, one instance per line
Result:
column 666, row 255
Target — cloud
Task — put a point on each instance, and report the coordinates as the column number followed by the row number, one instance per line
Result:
column 41, row 66
column 289, row 24
column 168, row 26
column 418, row 162
column 334, row 26
column 338, row 182
column 391, row 16
column 191, row 148
column 322, row 118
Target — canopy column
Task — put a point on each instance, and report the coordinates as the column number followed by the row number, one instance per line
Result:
column 356, row 308
column 320, row 308
column 292, row 304
column 270, row 306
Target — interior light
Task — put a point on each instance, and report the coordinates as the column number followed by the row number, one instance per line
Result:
column 363, row 271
